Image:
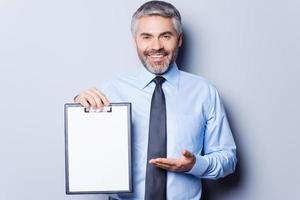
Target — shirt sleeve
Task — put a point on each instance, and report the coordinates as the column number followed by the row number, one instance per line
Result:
column 219, row 150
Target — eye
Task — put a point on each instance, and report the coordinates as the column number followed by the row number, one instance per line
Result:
column 145, row 37
column 167, row 37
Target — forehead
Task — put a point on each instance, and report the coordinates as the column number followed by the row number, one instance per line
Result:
column 154, row 25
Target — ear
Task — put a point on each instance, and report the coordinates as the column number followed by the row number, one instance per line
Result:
column 180, row 40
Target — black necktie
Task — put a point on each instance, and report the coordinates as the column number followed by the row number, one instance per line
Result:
column 156, row 178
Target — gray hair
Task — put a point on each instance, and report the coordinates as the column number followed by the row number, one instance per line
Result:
column 157, row 8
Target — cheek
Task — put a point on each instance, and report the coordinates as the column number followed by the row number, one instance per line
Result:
column 171, row 46
column 141, row 44
column 140, row 51
column 142, row 48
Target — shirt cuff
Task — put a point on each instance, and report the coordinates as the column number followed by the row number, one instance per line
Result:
column 199, row 167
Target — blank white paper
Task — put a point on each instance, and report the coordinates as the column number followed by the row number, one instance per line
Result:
column 98, row 150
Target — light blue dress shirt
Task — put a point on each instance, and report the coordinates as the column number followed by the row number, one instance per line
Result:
column 196, row 121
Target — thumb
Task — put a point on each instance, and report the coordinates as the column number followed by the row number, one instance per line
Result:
column 187, row 154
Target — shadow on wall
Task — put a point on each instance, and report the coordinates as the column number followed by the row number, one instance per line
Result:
column 214, row 189
column 181, row 60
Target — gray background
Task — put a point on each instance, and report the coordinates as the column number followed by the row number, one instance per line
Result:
column 52, row 50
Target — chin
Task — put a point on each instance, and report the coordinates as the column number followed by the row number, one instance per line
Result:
column 157, row 70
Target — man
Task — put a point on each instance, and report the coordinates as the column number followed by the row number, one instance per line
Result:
column 180, row 131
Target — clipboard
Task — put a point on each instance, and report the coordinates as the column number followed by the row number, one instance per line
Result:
column 98, row 149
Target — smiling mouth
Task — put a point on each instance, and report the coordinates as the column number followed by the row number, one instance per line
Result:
column 157, row 56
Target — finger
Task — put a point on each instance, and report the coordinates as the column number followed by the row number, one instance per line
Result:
column 75, row 99
column 156, row 162
column 96, row 98
column 102, row 96
column 166, row 167
column 89, row 99
column 187, row 154
column 83, row 101
column 166, row 161
column 161, row 165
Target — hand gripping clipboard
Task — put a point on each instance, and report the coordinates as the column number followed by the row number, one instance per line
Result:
column 98, row 149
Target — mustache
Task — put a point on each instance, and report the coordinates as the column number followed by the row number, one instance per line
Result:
column 152, row 52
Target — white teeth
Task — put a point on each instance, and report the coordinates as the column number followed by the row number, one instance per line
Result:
column 156, row 56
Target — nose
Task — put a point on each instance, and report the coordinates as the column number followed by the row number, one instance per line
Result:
column 157, row 45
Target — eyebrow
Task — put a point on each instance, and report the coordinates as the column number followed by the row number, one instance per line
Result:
column 145, row 34
column 161, row 34
column 166, row 33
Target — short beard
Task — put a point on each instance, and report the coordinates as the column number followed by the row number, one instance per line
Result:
column 159, row 70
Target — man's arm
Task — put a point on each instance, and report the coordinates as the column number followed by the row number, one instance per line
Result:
column 219, row 149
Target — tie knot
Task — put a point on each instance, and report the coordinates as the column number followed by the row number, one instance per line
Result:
column 159, row 80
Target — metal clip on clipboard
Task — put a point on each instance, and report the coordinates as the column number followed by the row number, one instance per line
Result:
column 92, row 110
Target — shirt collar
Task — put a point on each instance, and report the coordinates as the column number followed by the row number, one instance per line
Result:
column 172, row 76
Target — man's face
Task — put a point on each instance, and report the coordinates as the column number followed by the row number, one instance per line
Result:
column 157, row 43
